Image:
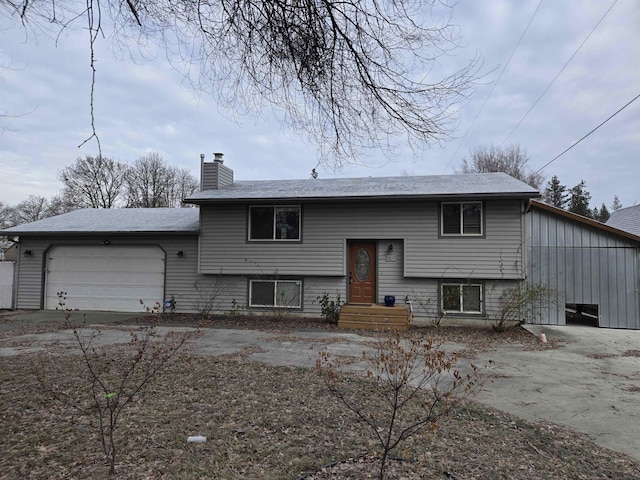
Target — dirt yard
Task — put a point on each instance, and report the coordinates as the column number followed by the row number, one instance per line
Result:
column 264, row 422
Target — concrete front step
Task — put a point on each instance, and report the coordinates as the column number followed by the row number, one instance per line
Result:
column 373, row 317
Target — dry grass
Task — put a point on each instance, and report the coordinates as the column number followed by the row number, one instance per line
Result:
column 263, row 422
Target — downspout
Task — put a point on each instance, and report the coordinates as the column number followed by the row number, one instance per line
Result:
column 526, row 207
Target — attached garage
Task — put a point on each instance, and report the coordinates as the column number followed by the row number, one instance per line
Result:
column 109, row 259
column 105, row 277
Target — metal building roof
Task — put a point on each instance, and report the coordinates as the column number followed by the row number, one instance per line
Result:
column 115, row 220
column 627, row 219
column 477, row 184
column 586, row 221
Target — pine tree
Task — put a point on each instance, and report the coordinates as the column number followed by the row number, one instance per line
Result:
column 579, row 201
column 604, row 214
column 616, row 205
column 555, row 193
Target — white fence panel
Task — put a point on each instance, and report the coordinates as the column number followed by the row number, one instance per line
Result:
column 6, row 284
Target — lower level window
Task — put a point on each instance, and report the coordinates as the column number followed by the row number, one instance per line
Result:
column 275, row 293
column 461, row 298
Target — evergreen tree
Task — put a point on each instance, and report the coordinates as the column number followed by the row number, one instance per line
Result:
column 616, row 205
column 604, row 214
column 555, row 193
column 579, row 201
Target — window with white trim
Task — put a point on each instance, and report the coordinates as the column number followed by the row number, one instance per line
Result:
column 274, row 222
column 275, row 293
column 461, row 297
column 461, row 218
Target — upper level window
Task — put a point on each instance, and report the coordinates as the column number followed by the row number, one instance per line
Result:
column 274, row 222
column 461, row 218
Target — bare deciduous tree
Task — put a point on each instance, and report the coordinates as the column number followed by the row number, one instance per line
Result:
column 183, row 185
column 511, row 160
column 94, row 182
column 351, row 74
column 30, row 210
column 6, row 214
column 151, row 183
column 147, row 182
column 61, row 203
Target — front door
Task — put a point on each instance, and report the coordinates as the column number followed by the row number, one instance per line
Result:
column 362, row 272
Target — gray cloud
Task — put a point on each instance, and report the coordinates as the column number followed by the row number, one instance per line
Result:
column 147, row 106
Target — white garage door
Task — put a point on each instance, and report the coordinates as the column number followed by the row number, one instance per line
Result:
column 107, row 277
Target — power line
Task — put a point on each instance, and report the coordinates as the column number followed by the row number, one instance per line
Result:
column 496, row 82
column 576, row 143
column 559, row 73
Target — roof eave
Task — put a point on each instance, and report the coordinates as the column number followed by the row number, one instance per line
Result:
column 508, row 196
column 100, row 232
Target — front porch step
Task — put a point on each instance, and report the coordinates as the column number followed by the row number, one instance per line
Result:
column 369, row 316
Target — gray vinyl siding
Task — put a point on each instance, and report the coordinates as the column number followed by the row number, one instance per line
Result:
column 498, row 254
column 225, row 176
column 390, row 271
column 209, row 176
column 584, row 265
column 327, row 227
column 29, row 286
column 215, row 175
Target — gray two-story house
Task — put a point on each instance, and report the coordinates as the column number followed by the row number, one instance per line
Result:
column 448, row 243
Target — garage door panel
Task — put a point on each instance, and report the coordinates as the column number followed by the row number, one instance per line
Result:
column 105, row 277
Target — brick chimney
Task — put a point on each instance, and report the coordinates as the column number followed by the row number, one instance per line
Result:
column 214, row 175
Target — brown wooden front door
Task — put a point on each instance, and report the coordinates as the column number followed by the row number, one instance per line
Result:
column 362, row 272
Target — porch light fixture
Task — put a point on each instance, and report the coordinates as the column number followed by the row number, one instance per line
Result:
column 390, row 248
column 28, row 253
column 106, row 242
column 180, row 253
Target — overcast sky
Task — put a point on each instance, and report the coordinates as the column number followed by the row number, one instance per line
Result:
column 44, row 91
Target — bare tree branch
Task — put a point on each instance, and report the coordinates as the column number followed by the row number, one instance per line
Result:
column 349, row 75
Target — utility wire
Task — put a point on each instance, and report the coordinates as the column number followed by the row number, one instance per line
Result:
column 559, row 73
column 576, row 143
column 496, row 82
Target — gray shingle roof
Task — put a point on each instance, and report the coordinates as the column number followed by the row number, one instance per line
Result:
column 116, row 220
column 478, row 184
column 627, row 219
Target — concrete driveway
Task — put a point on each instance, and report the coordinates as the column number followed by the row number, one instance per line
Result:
column 590, row 384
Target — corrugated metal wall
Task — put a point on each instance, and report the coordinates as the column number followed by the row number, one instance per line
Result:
column 584, row 265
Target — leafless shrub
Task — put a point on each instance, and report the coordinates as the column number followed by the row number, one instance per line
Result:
column 435, row 315
column 209, row 296
column 517, row 305
column 117, row 376
column 403, row 372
